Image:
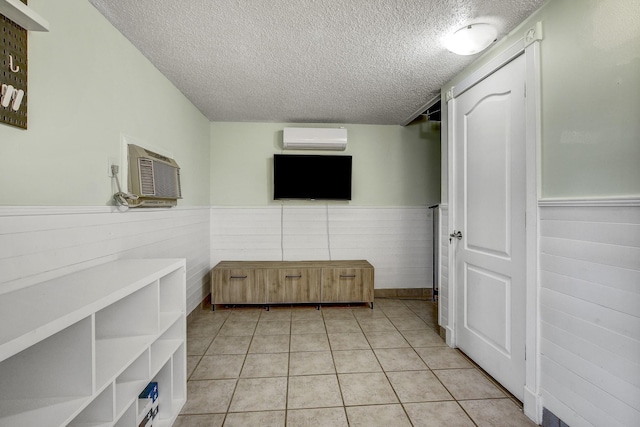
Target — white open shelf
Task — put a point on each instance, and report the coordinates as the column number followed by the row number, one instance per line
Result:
column 131, row 381
column 169, row 405
column 48, row 380
column 115, row 354
column 98, row 413
column 79, row 349
column 128, row 418
column 23, row 15
column 165, row 346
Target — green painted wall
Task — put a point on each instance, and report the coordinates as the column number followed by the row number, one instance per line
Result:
column 591, row 99
column 392, row 165
column 88, row 86
column 590, row 68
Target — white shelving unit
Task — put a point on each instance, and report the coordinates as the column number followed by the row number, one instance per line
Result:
column 23, row 15
column 79, row 349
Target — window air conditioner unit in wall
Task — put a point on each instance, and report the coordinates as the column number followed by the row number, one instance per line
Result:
column 154, row 178
column 314, row 139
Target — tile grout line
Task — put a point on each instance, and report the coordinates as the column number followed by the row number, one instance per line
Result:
column 387, row 376
column 344, row 405
column 205, row 350
column 332, row 350
column 454, row 398
column 428, row 368
column 451, row 394
column 286, row 391
column 233, row 393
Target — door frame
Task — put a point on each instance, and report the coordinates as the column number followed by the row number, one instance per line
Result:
column 529, row 46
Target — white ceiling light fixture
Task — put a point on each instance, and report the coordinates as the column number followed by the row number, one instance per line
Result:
column 471, row 39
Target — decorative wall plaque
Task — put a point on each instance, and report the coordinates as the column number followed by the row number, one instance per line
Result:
column 13, row 73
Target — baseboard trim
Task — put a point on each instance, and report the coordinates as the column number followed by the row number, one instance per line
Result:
column 400, row 293
column 443, row 333
column 404, row 293
column 449, row 337
column 532, row 405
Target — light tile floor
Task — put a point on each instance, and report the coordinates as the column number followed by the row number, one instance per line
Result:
column 338, row 366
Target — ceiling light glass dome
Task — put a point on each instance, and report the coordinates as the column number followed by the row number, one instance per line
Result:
column 471, row 39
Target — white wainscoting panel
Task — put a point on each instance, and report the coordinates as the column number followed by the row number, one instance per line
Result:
column 396, row 241
column 443, row 293
column 590, row 313
column 41, row 243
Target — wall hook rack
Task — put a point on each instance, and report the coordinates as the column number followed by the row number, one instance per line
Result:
column 14, row 69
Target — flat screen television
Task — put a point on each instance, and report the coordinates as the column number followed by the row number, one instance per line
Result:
column 311, row 177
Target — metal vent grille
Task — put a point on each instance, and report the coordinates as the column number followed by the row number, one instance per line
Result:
column 154, row 180
column 167, row 180
column 147, row 187
column 157, row 156
column 179, row 183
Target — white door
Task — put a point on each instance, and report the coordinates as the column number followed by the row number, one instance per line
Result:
column 489, row 212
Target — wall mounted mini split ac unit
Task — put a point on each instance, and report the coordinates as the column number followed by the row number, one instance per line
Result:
column 314, row 139
column 154, row 178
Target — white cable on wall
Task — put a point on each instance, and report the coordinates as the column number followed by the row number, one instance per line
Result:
column 328, row 233
column 282, row 223
column 282, row 230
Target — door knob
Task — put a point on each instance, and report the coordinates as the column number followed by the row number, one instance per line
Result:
column 456, row 234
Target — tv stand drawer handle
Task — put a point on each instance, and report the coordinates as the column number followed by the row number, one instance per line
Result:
column 347, row 276
column 238, row 277
column 293, row 277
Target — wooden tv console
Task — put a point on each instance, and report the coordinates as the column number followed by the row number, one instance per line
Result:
column 291, row 282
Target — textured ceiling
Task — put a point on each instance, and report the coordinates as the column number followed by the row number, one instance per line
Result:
column 311, row 61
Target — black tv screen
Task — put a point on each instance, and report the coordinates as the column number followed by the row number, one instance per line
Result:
column 297, row 176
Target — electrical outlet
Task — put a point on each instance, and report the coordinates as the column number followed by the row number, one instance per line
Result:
column 112, row 161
